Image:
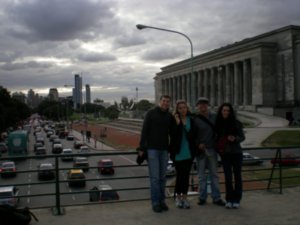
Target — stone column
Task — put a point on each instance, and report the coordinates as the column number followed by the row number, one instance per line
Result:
column 174, row 91
column 236, row 93
column 297, row 70
column 228, row 88
column 205, row 83
column 212, row 86
column 188, row 88
column 247, row 82
column 219, row 86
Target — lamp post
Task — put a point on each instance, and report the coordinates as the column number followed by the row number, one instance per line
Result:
column 192, row 80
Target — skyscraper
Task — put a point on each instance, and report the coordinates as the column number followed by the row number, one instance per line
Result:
column 77, row 91
column 87, row 93
column 53, row 94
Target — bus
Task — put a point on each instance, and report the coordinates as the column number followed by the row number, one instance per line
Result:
column 17, row 142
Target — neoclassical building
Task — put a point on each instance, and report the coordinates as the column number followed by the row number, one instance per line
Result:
column 260, row 74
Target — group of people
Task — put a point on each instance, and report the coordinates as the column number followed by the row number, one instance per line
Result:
column 184, row 137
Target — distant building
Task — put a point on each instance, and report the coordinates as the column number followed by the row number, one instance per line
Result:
column 53, row 94
column 19, row 96
column 33, row 99
column 77, row 92
column 260, row 74
column 87, row 93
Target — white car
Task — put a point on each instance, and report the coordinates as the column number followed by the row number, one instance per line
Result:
column 66, row 154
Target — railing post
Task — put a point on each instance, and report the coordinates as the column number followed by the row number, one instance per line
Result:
column 280, row 172
column 57, row 210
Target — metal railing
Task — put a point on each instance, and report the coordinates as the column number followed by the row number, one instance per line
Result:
column 260, row 177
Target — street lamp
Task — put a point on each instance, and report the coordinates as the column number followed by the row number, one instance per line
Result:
column 192, row 81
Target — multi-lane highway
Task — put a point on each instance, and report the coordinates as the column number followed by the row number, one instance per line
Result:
column 29, row 178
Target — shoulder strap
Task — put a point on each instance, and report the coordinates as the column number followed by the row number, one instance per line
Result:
column 204, row 119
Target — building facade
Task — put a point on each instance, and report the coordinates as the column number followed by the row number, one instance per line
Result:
column 260, row 74
column 53, row 94
column 77, row 91
column 87, row 93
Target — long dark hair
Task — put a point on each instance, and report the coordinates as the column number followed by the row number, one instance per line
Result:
column 227, row 126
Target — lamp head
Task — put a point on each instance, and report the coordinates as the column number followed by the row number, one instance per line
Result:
column 140, row 26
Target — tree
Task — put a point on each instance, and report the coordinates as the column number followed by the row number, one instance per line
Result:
column 144, row 105
column 12, row 111
column 112, row 112
column 124, row 102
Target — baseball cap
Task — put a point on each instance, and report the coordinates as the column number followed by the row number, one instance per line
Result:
column 202, row 100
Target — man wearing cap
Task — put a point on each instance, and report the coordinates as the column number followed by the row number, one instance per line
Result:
column 207, row 156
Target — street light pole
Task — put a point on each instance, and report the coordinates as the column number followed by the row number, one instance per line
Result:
column 141, row 26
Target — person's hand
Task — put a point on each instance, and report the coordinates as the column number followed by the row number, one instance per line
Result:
column 141, row 153
column 177, row 118
column 231, row 138
column 201, row 146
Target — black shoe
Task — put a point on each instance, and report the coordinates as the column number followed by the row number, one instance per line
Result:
column 157, row 208
column 220, row 202
column 202, row 202
column 164, row 206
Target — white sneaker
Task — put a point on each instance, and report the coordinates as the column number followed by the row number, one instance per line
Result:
column 179, row 203
column 186, row 204
column 228, row 205
column 235, row 205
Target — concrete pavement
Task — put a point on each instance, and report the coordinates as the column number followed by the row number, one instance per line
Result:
column 257, row 207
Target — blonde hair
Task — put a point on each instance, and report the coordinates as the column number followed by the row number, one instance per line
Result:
column 181, row 101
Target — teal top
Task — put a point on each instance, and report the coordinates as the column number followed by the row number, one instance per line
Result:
column 184, row 152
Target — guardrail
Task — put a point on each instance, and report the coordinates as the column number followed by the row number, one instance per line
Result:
column 255, row 177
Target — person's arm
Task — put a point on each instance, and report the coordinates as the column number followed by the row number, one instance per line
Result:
column 144, row 133
column 240, row 136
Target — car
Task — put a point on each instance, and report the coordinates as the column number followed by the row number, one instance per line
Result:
column 52, row 137
column 57, row 148
column 56, row 141
column 170, row 169
column 70, row 137
column 107, row 193
column 84, row 149
column 3, row 147
column 78, row 144
column 46, row 171
column 9, row 196
column 8, row 169
column 106, row 166
column 103, row 192
column 66, row 154
column 249, row 159
column 41, row 150
column 287, row 160
column 76, row 178
column 82, row 163
column 49, row 133
column 40, row 139
column 37, row 145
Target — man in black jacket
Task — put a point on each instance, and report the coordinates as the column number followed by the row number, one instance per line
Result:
column 155, row 136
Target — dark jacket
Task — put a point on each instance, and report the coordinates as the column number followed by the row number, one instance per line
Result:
column 176, row 139
column 236, row 130
column 156, row 131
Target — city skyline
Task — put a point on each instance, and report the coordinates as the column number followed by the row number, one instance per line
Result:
column 99, row 40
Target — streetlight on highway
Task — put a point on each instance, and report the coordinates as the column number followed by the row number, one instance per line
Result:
column 141, row 26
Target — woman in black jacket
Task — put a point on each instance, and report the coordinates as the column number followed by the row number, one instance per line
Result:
column 182, row 152
column 230, row 134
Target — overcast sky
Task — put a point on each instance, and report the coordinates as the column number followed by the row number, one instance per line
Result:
column 43, row 43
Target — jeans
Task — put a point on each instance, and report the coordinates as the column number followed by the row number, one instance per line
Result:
column 233, row 164
column 208, row 161
column 157, row 164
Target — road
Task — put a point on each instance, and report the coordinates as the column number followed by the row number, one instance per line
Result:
column 68, row 198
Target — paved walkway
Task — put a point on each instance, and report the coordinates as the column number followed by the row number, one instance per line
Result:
column 257, row 208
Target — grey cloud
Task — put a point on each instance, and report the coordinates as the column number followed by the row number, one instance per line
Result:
column 96, row 57
column 59, row 20
column 129, row 40
column 8, row 56
column 162, row 54
column 20, row 66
